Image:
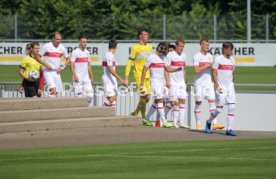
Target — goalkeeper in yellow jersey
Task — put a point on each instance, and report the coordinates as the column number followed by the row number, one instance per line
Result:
column 139, row 53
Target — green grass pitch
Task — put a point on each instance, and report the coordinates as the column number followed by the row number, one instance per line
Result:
column 197, row 159
column 257, row 75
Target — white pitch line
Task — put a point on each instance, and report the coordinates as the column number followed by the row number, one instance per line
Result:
column 129, row 155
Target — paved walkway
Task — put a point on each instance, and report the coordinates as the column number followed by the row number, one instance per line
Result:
column 114, row 135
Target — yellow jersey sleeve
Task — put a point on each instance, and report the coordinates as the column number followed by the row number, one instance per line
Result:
column 133, row 53
column 130, row 60
column 128, row 67
column 24, row 63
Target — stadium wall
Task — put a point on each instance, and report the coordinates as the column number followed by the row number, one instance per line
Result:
column 246, row 54
column 254, row 110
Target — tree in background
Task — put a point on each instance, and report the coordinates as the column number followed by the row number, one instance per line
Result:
column 191, row 19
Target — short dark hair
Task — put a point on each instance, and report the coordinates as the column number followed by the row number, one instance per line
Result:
column 82, row 36
column 162, row 48
column 55, row 33
column 34, row 44
column 28, row 46
column 142, row 29
column 203, row 40
column 112, row 44
column 227, row 45
column 172, row 46
column 180, row 40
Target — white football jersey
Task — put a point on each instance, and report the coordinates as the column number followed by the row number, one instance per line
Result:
column 225, row 68
column 203, row 78
column 157, row 71
column 174, row 60
column 108, row 61
column 81, row 60
column 52, row 55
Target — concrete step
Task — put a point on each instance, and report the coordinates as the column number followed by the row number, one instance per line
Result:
column 60, row 113
column 28, row 126
column 41, row 103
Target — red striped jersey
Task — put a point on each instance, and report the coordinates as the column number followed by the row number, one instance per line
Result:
column 203, row 78
column 175, row 60
column 225, row 67
column 52, row 55
column 81, row 60
column 157, row 70
column 108, row 61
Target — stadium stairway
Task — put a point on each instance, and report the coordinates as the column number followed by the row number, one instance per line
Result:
column 39, row 114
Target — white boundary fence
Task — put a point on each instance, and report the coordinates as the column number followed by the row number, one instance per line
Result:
column 255, row 110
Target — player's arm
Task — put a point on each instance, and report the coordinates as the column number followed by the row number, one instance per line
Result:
column 42, row 62
column 170, row 69
column 111, row 70
column 215, row 74
column 129, row 64
column 215, row 78
column 62, row 67
column 200, row 69
column 167, row 78
column 38, row 58
column 67, row 61
column 145, row 69
column 22, row 74
column 90, row 71
column 127, row 70
column 72, row 67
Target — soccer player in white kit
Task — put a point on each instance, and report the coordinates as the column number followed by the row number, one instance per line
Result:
column 203, row 85
column 157, row 81
column 82, row 71
column 176, row 82
column 223, row 74
column 109, row 77
column 52, row 53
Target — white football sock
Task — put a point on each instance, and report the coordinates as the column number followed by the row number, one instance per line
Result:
column 212, row 109
column 231, row 116
column 197, row 113
column 181, row 113
column 175, row 115
column 160, row 109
